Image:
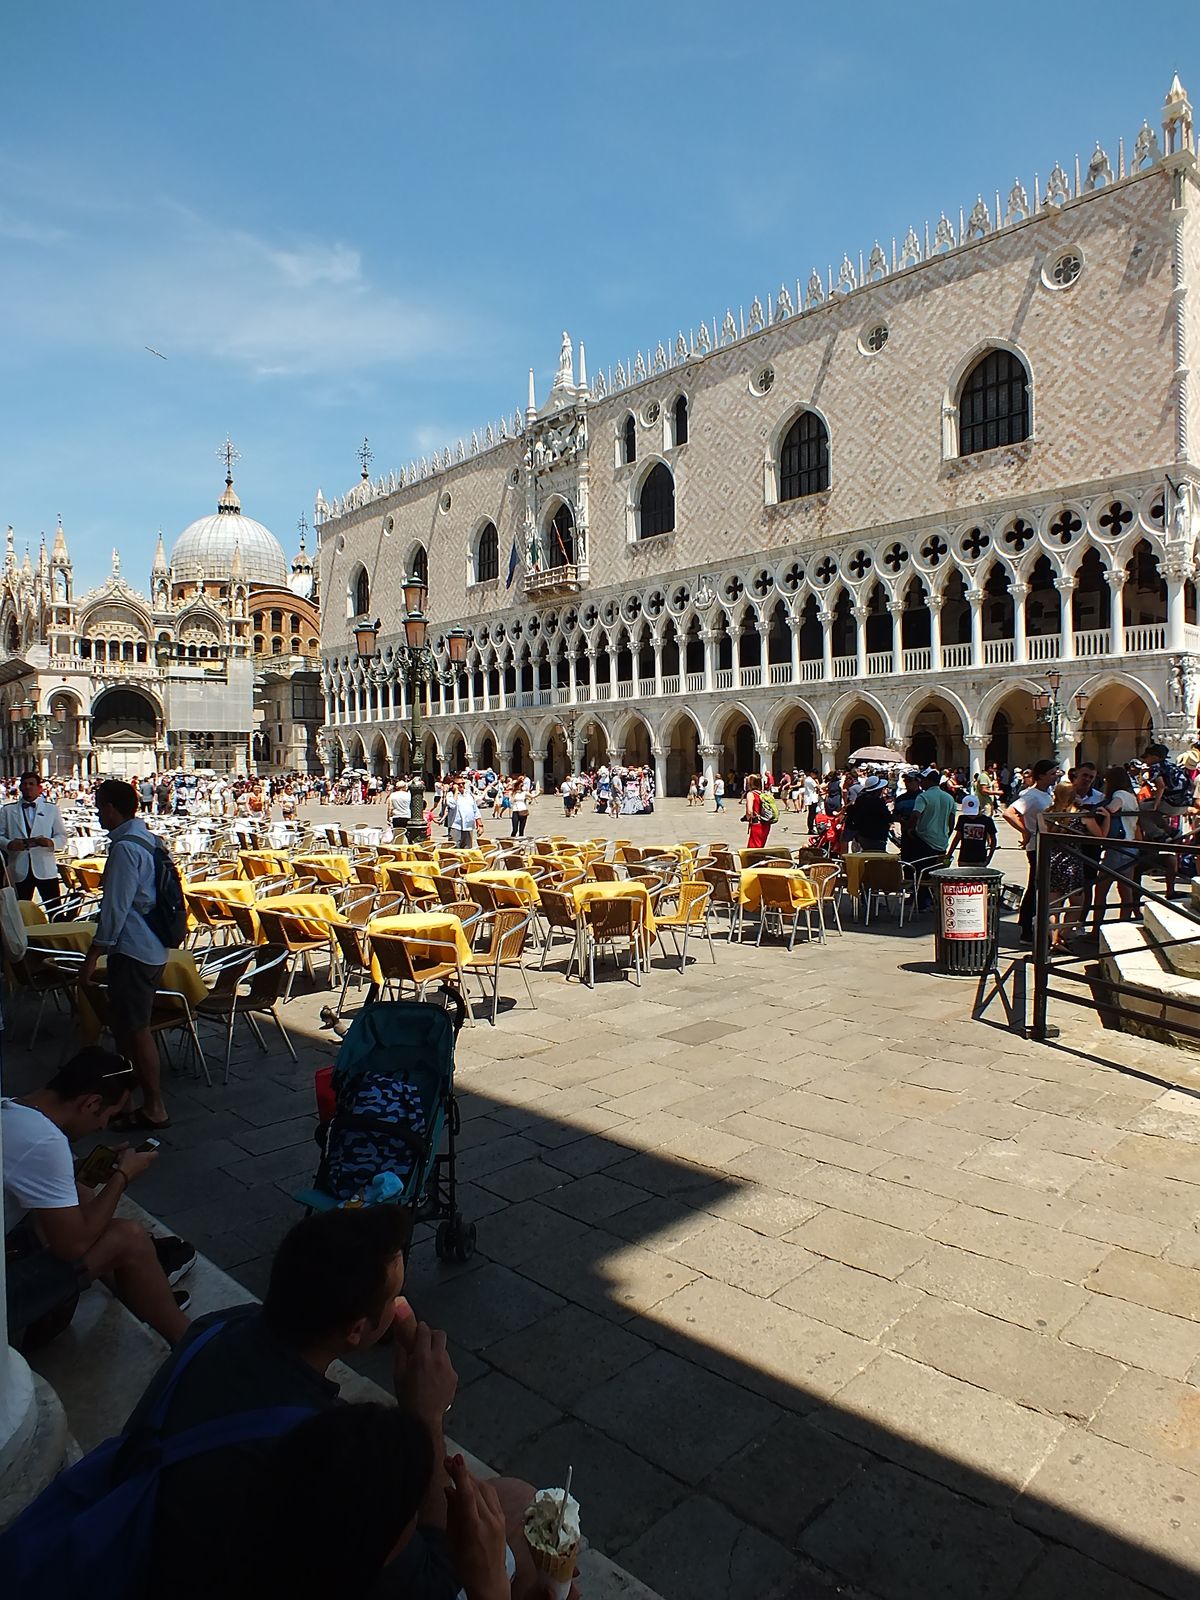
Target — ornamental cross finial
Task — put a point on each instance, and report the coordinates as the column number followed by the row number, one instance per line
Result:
column 229, row 453
column 365, row 457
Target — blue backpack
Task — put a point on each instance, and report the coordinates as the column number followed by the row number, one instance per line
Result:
column 91, row 1531
column 167, row 917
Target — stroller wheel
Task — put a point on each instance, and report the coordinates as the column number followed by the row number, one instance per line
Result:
column 455, row 1240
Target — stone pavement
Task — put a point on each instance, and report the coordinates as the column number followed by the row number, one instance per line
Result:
column 820, row 1285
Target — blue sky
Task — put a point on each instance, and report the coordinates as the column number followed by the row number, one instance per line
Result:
column 365, row 218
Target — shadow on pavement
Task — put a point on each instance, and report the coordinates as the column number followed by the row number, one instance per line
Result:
column 726, row 1444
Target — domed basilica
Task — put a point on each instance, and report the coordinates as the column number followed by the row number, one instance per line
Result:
column 217, row 668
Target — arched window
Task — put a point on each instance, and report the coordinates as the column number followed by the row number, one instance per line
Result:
column 277, row 619
column 679, row 421
column 804, row 458
column 362, row 594
column 993, row 405
column 560, row 538
column 276, row 646
column 259, row 643
column 487, row 554
column 420, row 565
column 629, row 440
column 656, row 503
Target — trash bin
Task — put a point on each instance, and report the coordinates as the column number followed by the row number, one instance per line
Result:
column 966, row 919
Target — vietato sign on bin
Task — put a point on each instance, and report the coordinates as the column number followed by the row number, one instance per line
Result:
column 964, row 910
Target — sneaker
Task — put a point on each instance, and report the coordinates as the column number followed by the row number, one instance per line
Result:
column 176, row 1257
column 182, row 1299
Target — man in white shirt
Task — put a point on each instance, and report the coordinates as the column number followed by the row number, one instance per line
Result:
column 462, row 813
column 59, row 1235
column 31, row 829
column 1025, row 815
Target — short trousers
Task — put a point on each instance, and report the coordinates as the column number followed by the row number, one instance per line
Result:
column 35, row 1281
column 131, row 986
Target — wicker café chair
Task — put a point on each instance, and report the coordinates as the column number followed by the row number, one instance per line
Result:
column 781, row 898
column 612, row 922
column 402, row 960
column 690, row 916
column 724, row 893
column 559, row 914
column 826, row 878
column 508, row 935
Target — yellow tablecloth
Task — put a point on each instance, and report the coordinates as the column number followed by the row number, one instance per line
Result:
column 337, row 867
column 265, row 863
column 415, row 925
column 512, row 888
column 88, row 871
column 403, row 877
column 854, row 863
column 469, row 860
column 236, row 891
column 320, row 908
column 179, row 973
column 803, row 891
column 61, row 935
column 586, row 893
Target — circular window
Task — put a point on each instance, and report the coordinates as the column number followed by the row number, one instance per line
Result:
column 763, row 382
column 388, row 525
column 651, row 413
column 514, row 477
column 1062, row 270
column 872, row 340
column 445, row 502
column 341, row 543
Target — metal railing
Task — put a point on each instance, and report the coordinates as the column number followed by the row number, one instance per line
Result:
column 1074, row 877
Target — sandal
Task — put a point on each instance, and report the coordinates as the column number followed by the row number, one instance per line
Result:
column 138, row 1122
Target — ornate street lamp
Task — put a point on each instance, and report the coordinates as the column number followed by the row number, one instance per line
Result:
column 414, row 664
column 1050, row 710
column 25, row 718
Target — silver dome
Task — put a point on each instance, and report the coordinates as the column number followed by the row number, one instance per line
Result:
column 205, row 549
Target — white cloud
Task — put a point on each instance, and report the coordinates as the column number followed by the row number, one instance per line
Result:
column 21, row 230
column 195, row 286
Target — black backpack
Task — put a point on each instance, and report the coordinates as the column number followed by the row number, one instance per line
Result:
column 167, row 917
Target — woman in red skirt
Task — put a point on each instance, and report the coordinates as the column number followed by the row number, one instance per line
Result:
column 760, row 823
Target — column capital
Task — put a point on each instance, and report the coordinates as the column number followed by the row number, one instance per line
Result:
column 710, row 751
column 975, row 597
column 1019, row 591
column 896, row 607
column 1066, row 585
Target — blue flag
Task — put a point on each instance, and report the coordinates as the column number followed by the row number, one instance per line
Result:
column 514, row 561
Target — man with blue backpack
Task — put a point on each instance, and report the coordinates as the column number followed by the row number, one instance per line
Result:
column 142, row 915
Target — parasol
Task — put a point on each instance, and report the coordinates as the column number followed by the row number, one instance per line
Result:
column 876, row 752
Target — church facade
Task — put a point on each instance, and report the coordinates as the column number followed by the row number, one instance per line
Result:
column 905, row 502
column 215, row 668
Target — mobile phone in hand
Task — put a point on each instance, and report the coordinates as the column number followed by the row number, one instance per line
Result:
column 96, row 1167
column 148, row 1145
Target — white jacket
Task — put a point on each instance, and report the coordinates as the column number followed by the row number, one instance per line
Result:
column 46, row 822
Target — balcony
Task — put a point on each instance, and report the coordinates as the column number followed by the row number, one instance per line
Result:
column 845, row 667
column 567, row 579
column 723, row 678
column 752, row 677
column 695, row 683
column 1145, row 638
column 956, row 655
column 879, row 662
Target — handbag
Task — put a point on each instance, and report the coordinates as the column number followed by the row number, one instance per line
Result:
column 14, row 936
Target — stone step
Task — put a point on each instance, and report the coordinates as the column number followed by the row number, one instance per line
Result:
column 1164, row 924
column 105, row 1339
column 1164, row 999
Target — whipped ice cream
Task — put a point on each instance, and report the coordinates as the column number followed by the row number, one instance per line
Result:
column 541, row 1519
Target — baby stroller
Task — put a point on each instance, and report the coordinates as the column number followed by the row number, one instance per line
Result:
column 382, row 1113
column 828, row 835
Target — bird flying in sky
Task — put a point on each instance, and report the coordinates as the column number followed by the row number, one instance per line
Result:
column 155, row 352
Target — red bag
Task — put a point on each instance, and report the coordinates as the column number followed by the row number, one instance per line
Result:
column 323, row 1089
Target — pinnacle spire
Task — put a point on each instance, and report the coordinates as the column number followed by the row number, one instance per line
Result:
column 58, row 555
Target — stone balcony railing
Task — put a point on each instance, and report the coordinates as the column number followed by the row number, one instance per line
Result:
column 1033, row 654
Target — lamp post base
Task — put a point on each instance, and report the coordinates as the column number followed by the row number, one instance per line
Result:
column 415, row 826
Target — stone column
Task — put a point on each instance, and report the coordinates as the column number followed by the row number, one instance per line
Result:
column 591, row 683
column 896, row 608
column 709, row 758
column 709, row 638
column 794, row 624
column 656, row 641
column 828, row 750
column 1116, row 612
column 975, row 599
column 860, row 638
column 538, row 758
column 1066, row 622
column 976, row 747
column 1175, row 575
column 826, row 619
column 658, row 757
column 1019, row 593
column 935, row 632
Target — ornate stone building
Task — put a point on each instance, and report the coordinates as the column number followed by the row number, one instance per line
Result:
column 882, row 506
column 217, row 667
